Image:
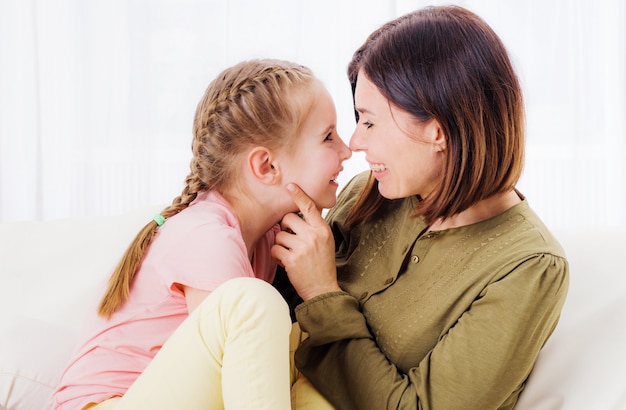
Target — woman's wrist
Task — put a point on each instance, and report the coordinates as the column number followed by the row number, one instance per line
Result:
column 319, row 290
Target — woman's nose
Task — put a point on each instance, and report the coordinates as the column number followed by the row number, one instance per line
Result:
column 357, row 142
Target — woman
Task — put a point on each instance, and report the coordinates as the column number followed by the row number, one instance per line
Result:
column 446, row 284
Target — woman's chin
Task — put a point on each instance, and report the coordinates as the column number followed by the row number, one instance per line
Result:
column 388, row 193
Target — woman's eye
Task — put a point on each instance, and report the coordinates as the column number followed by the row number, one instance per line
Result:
column 368, row 124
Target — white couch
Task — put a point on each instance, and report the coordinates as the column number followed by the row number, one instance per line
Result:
column 49, row 272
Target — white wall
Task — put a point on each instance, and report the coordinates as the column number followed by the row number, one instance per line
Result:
column 97, row 98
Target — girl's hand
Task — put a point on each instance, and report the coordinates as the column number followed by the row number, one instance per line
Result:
column 306, row 248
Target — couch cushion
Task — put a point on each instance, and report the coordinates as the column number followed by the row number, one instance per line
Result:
column 582, row 365
column 31, row 361
column 50, row 274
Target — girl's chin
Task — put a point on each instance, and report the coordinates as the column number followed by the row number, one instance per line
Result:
column 327, row 202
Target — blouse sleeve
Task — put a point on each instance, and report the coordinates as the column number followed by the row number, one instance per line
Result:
column 478, row 364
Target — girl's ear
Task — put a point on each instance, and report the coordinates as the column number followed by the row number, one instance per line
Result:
column 261, row 164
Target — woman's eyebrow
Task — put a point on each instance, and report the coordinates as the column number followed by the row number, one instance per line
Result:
column 362, row 110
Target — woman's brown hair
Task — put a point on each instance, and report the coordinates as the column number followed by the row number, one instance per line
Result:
column 246, row 105
column 446, row 63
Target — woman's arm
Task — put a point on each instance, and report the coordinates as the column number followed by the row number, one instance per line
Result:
column 480, row 362
column 306, row 249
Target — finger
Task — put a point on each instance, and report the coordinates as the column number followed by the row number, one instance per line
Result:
column 278, row 253
column 292, row 223
column 306, row 205
column 283, row 255
column 285, row 239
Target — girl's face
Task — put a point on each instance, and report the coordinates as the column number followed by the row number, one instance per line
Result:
column 405, row 156
column 315, row 159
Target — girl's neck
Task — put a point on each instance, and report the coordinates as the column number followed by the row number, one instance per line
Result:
column 480, row 211
column 255, row 219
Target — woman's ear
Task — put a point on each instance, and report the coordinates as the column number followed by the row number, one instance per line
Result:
column 261, row 164
column 437, row 136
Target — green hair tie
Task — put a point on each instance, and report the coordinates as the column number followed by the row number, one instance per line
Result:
column 159, row 219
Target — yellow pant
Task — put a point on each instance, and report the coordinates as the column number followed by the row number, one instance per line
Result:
column 234, row 351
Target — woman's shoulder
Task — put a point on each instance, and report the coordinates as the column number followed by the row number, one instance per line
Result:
column 522, row 229
column 539, row 232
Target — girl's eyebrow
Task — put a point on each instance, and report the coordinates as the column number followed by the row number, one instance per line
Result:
column 329, row 129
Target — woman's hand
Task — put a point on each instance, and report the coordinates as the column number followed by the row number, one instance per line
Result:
column 306, row 248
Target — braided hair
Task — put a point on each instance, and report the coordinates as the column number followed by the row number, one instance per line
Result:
column 246, row 105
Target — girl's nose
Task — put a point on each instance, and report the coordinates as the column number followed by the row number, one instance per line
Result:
column 346, row 153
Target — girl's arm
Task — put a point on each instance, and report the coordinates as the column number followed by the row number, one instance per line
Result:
column 194, row 297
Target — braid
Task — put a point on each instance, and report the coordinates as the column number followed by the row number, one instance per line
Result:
column 246, row 105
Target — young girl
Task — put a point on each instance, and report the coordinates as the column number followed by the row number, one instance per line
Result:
column 184, row 322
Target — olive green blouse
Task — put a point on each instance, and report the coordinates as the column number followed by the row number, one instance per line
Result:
column 442, row 320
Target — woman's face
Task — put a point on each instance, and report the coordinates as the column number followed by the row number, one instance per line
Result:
column 405, row 156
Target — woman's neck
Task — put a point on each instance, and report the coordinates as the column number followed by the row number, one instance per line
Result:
column 480, row 211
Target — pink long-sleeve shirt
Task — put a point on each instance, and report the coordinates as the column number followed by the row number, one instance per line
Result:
column 201, row 247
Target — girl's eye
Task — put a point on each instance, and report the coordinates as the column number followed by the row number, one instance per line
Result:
column 329, row 137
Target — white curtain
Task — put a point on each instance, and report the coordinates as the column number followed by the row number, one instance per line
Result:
column 97, row 97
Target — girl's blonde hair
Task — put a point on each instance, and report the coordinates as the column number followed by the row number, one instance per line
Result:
column 249, row 104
